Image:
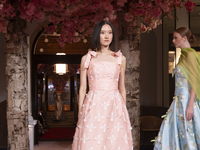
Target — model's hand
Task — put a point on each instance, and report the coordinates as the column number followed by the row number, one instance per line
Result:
column 189, row 112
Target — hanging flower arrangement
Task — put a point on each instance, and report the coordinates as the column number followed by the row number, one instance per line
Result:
column 76, row 18
column 150, row 11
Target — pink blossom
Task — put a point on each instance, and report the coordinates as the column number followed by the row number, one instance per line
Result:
column 171, row 17
column 68, row 11
column 54, row 19
column 112, row 16
column 49, row 5
column 1, row 6
column 177, row 1
column 39, row 16
column 23, row 15
column 140, row 12
column 62, row 4
column 77, row 39
column 148, row 6
column 189, row 5
column 89, row 31
column 63, row 38
column 3, row 1
column 106, row 5
column 140, row 3
column 23, row 4
column 134, row 23
column 60, row 43
column 88, row 1
column 154, row 24
column 29, row 18
column 165, row 6
column 36, row 2
column 106, row 19
column 149, row 28
column 156, row 12
column 128, row 17
column 121, row 2
column 30, row 9
column 67, row 2
column 143, row 28
column 50, row 29
column 69, row 39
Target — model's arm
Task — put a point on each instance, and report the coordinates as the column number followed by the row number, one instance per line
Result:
column 83, row 82
column 122, row 88
column 190, row 108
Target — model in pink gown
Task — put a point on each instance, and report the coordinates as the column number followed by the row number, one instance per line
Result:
column 104, row 121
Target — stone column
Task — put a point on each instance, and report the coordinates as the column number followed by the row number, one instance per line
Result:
column 129, row 44
column 31, row 121
column 16, row 85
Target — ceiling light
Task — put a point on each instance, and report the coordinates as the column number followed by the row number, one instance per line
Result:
column 60, row 53
column 85, row 40
column 41, row 50
column 46, row 40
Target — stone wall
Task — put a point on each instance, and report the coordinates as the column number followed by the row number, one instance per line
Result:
column 16, row 85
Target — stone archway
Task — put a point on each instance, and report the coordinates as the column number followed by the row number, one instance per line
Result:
column 17, row 85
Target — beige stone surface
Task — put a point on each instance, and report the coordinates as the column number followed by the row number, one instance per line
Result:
column 16, row 85
column 129, row 43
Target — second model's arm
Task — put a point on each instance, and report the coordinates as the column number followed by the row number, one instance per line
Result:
column 122, row 88
column 190, row 107
column 83, row 82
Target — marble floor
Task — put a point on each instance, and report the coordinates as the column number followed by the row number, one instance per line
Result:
column 53, row 145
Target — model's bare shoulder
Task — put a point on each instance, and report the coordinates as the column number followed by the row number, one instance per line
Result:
column 123, row 58
column 83, row 59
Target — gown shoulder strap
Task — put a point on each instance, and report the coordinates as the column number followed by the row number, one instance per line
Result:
column 88, row 58
column 119, row 57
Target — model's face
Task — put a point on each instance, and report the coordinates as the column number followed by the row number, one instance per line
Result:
column 58, row 88
column 178, row 40
column 106, row 35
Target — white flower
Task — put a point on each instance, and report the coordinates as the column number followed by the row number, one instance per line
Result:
column 104, row 127
column 112, row 138
column 99, row 117
column 98, row 139
column 112, row 116
column 118, row 126
column 91, row 127
column 84, row 139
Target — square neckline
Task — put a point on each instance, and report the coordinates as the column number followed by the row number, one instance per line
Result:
column 116, row 58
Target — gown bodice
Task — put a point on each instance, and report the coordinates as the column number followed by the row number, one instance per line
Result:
column 178, row 72
column 179, row 77
column 103, row 75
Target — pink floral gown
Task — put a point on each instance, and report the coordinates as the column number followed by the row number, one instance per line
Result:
column 104, row 121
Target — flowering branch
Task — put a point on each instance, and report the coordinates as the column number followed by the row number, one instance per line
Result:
column 78, row 17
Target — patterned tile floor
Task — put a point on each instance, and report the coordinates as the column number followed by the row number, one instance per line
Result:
column 53, row 145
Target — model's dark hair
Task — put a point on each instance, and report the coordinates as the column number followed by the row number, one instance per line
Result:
column 183, row 31
column 96, row 34
column 58, row 86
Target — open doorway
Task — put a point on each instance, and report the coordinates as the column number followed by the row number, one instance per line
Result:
column 45, row 82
